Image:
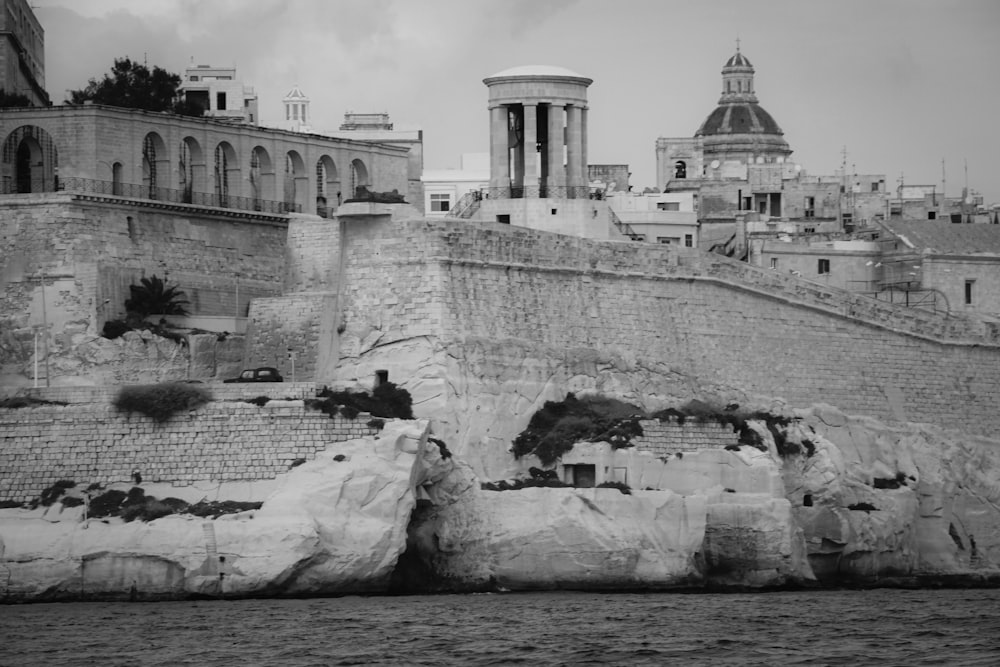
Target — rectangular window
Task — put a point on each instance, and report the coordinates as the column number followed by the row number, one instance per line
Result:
column 667, row 240
column 668, row 206
column 503, row 218
column 932, row 215
column 220, row 101
column 809, row 207
column 968, row 291
column 441, row 202
column 688, row 240
column 823, row 266
column 774, row 262
column 874, row 187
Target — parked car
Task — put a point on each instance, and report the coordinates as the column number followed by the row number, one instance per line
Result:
column 266, row 374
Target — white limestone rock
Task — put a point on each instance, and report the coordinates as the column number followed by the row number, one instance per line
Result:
column 335, row 525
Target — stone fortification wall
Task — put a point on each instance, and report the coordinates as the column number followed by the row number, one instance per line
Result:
column 668, row 437
column 89, row 252
column 714, row 322
column 219, row 442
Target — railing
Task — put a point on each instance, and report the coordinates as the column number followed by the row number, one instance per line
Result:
column 467, row 205
column 170, row 196
column 624, row 227
column 927, row 299
column 541, row 192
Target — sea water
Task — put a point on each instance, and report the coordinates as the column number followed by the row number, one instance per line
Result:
column 843, row 627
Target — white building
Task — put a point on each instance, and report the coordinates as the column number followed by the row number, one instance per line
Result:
column 658, row 217
column 444, row 188
column 220, row 94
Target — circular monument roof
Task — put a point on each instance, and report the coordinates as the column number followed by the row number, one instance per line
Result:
column 739, row 118
column 738, row 60
column 537, row 70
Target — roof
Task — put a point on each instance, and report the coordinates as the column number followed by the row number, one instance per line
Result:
column 738, row 60
column 946, row 238
column 739, row 118
column 537, row 70
column 295, row 94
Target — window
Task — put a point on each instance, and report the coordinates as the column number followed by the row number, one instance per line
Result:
column 554, row 211
column 774, row 262
column 504, row 218
column 823, row 266
column 667, row 240
column 689, row 240
column 381, row 377
column 680, row 169
column 874, row 187
column 809, row 207
column 932, row 215
column 668, row 206
column 441, row 202
column 809, row 230
column 968, row 291
column 220, row 101
column 194, row 78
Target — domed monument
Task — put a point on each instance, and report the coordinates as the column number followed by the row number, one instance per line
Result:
column 738, row 132
column 739, row 128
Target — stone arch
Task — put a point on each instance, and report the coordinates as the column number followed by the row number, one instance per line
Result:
column 296, row 181
column 155, row 166
column 359, row 176
column 190, row 168
column 262, row 187
column 680, row 169
column 30, row 161
column 328, row 195
column 226, row 173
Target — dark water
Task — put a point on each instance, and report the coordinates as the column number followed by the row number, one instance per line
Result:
column 878, row 627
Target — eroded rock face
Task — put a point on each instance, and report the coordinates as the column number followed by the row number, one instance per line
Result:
column 336, row 525
column 877, row 501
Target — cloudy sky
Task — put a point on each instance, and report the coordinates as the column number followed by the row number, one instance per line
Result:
column 902, row 84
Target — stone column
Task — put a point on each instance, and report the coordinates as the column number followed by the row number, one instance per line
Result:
column 499, row 152
column 574, row 146
column 557, row 135
column 530, row 150
column 583, row 147
column 518, row 177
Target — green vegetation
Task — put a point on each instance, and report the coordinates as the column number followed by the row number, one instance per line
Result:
column 137, row 506
column 13, row 99
column 52, row 494
column 555, row 428
column 259, row 401
column 387, row 400
column 17, row 402
column 151, row 296
column 161, row 401
column 518, row 484
column 732, row 415
column 443, row 448
column 862, row 507
column 132, row 85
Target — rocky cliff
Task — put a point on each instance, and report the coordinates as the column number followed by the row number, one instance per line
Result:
column 841, row 500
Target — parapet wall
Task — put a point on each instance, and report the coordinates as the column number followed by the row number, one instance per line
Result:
column 219, row 442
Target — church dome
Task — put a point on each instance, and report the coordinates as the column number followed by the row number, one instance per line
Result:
column 739, row 128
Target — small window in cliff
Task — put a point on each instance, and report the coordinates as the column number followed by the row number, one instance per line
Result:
column 969, row 284
column 381, row 377
column 807, row 500
column 581, row 475
column 554, row 211
column 505, row 219
column 823, row 266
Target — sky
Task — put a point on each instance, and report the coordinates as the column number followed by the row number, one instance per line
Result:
column 905, row 88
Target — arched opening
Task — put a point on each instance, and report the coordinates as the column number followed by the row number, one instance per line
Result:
column 296, row 182
column 261, row 177
column 359, row 177
column 30, row 161
column 190, row 169
column 327, row 186
column 155, row 166
column 116, row 178
column 680, row 169
column 227, row 173
column 729, row 86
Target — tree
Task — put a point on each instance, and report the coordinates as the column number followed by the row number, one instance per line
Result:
column 13, row 99
column 152, row 297
column 133, row 86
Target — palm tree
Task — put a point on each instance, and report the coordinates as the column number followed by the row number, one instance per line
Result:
column 153, row 297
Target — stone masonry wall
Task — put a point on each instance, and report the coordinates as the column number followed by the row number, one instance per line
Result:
column 217, row 442
column 668, row 437
column 723, row 324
